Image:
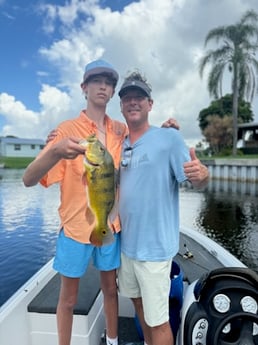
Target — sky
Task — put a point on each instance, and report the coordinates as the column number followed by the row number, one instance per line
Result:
column 45, row 46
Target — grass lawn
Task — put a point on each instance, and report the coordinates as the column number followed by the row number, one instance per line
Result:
column 23, row 162
column 16, row 162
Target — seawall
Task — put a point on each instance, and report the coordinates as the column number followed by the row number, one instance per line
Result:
column 240, row 170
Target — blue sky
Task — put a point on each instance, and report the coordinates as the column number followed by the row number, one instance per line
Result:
column 46, row 44
column 22, row 34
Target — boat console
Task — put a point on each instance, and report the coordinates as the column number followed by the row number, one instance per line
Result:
column 221, row 308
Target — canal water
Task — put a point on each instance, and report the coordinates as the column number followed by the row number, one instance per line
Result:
column 226, row 212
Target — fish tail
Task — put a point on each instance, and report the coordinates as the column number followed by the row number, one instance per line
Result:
column 101, row 236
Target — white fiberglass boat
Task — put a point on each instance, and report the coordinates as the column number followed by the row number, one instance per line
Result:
column 218, row 306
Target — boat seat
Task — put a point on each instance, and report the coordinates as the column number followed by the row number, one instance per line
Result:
column 88, row 321
column 47, row 299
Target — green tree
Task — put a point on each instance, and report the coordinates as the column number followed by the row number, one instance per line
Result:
column 223, row 107
column 239, row 44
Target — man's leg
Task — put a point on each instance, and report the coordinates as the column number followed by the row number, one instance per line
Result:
column 67, row 300
column 154, row 281
column 162, row 334
column 145, row 328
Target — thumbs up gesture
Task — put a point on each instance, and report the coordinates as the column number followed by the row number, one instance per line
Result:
column 195, row 171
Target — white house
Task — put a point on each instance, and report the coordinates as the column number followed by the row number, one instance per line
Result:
column 248, row 137
column 19, row 147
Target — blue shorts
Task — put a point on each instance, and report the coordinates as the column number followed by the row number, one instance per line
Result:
column 72, row 257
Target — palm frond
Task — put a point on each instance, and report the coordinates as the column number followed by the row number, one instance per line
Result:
column 237, row 47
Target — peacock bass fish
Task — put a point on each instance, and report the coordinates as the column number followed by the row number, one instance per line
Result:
column 99, row 171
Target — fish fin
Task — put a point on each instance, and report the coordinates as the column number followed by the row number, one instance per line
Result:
column 95, row 239
column 84, row 180
column 90, row 216
column 100, row 237
column 113, row 213
column 109, row 238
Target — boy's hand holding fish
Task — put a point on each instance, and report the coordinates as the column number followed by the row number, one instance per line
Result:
column 69, row 148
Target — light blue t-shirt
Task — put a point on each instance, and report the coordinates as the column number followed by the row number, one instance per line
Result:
column 149, row 188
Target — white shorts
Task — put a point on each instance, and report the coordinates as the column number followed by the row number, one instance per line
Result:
column 150, row 281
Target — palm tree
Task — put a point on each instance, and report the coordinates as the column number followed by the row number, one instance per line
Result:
column 239, row 44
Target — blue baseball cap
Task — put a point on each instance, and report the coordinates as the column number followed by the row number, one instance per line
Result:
column 99, row 67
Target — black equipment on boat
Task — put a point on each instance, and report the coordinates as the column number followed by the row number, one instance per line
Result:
column 224, row 308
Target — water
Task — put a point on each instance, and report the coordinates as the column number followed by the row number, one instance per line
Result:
column 29, row 222
column 28, row 230
column 227, row 213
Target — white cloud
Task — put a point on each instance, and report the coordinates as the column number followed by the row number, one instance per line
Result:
column 164, row 39
column 56, row 106
column 18, row 116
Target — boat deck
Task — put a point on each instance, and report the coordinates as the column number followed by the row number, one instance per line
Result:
column 199, row 263
column 192, row 259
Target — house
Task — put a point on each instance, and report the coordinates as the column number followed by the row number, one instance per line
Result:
column 20, row 147
column 248, row 137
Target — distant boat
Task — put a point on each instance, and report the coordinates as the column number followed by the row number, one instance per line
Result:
column 219, row 305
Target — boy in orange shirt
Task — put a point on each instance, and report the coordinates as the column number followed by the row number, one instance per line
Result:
column 61, row 161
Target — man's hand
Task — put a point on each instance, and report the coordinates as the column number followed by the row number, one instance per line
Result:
column 170, row 123
column 195, row 171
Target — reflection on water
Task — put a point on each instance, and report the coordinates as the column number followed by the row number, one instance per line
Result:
column 226, row 212
column 231, row 217
column 28, row 230
column 234, row 187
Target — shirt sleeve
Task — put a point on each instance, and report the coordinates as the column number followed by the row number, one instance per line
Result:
column 179, row 156
column 56, row 173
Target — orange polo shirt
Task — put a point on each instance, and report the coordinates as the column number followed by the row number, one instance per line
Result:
column 68, row 173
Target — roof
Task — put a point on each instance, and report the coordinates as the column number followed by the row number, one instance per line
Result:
column 248, row 125
column 11, row 140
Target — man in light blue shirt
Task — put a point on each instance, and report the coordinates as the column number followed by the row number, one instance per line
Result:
column 154, row 161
